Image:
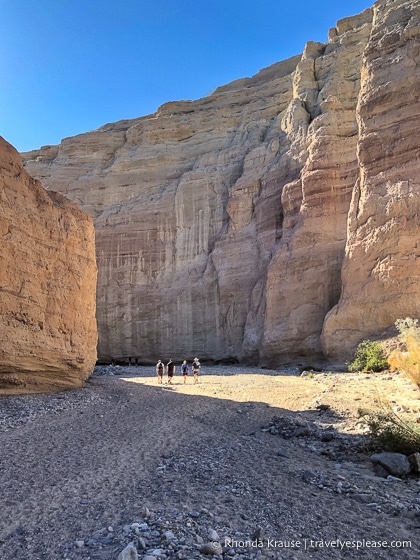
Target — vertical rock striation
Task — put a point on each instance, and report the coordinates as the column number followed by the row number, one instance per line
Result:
column 222, row 224
column 381, row 269
column 304, row 275
column 47, row 284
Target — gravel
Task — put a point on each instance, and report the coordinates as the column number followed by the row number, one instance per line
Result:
column 122, row 466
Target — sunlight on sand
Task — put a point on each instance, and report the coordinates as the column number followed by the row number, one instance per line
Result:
column 343, row 392
column 242, row 387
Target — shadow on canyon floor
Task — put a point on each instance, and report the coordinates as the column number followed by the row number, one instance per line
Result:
column 217, row 454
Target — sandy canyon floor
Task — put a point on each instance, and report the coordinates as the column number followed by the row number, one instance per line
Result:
column 270, row 464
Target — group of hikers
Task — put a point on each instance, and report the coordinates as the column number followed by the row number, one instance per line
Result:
column 170, row 369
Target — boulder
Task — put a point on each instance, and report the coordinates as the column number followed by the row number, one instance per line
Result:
column 396, row 464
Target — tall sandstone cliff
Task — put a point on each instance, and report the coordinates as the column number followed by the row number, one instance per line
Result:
column 275, row 219
column 48, row 273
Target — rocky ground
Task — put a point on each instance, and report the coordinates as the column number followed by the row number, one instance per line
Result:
column 246, row 464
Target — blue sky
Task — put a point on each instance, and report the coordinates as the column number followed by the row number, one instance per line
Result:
column 70, row 66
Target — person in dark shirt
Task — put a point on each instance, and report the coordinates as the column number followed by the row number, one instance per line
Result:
column 170, row 370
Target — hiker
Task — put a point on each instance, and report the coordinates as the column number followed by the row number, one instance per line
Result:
column 196, row 368
column 170, row 370
column 184, row 369
column 159, row 371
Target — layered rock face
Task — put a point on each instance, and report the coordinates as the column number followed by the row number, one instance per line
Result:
column 381, row 270
column 47, row 284
column 222, row 223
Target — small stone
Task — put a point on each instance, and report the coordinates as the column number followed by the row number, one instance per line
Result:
column 169, row 536
column 307, row 476
column 145, row 512
column 323, row 407
column 211, row 548
column 155, row 533
column 283, row 453
column 135, row 527
column 129, row 553
column 212, row 535
column 301, row 431
column 80, row 543
column 399, row 408
column 362, row 498
column 327, row 436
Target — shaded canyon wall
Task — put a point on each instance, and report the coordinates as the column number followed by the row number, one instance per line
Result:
column 235, row 226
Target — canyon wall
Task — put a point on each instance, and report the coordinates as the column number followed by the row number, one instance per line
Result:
column 47, row 284
column 381, row 269
column 236, row 227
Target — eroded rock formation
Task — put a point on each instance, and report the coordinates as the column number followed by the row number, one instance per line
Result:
column 47, row 284
column 381, row 269
column 223, row 224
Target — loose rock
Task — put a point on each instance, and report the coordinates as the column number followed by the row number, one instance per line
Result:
column 211, row 548
column 129, row 553
column 396, row 464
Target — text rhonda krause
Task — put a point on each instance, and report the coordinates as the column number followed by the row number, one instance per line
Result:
column 313, row 543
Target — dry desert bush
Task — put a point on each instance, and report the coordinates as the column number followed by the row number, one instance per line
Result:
column 408, row 360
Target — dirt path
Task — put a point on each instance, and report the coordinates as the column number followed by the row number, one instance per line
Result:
column 77, row 469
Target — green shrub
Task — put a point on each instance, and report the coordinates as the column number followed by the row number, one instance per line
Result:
column 369, row 356
column 388, row 432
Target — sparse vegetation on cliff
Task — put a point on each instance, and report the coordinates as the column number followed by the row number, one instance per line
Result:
column 408, row 360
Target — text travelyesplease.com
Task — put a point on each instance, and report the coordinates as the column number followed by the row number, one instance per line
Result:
column 308, row 544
